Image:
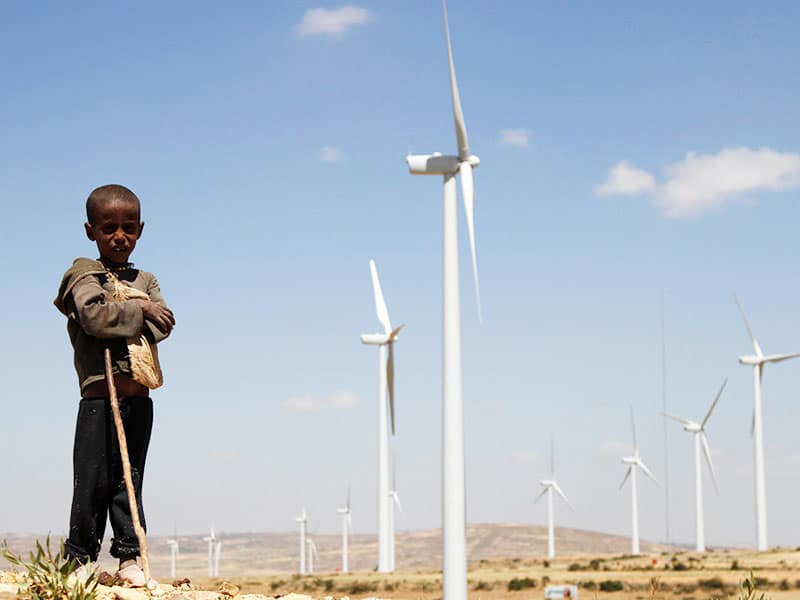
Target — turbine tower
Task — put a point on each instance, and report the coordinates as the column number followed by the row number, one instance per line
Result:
column 550, row 486
column 312, row 552
column 173, row 555
column 384, row 341
column 303, row 520
column 454, row 542
column 347, row 527
column 394, row 502
column 217, row 553
column 700, row 440
column 633, row 463
column 212, row 542
column 758, row 361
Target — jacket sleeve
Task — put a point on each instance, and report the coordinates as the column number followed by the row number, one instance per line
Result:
column 154, row 291
column 99, row 315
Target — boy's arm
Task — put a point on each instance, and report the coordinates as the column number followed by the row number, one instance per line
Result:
column 154, row 333
column 100, row 316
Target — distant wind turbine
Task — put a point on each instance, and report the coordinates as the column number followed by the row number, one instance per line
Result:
column 454, row 539
column 758, row 361
column 347, row 527
column 312, row 552
column 384, row 341
column 303, row 520
column 217, row 554
column 212, row 542
column 394, row 502
column 173, row 554
column 550, row 486
column 699, row 432
column 633, row 463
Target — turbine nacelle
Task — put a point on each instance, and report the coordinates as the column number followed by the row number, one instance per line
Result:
column 751, row 360
column 630, row 460
column 375, row 339
column 436, row 164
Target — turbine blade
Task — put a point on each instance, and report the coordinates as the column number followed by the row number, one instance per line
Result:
column 713, row 404
column 458, row 115
column 380, row 303
column 539, row 497
column 680, row 420
column 781, row 357
column 627, row 474
column 349, row 522
column 756, row 347
column 647, row 471
column 552, row 458
column 563, row 495
column 753, row 425
column 468, row 192
column 707, row 452
column 633, row 430
column 396, row 499
column 390, row 382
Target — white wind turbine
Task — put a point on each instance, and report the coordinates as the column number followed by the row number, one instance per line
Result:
column 700, row 440
column 550, row 486
column 312, row 552
column 347, row 527
column 394, row 502
column 217, row 553
column 303, row 520
column 758, row 360
column 212, row 542
column 173, row 555
column 454, row 551
column 633, row 463
column 385, row 381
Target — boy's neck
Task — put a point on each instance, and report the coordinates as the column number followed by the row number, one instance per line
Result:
column 115, row 266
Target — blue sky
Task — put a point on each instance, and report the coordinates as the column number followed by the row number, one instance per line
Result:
column 626, row 149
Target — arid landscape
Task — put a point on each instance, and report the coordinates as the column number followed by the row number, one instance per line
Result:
column 506, row 562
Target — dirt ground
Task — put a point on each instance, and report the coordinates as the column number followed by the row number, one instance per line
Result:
column 668, row 575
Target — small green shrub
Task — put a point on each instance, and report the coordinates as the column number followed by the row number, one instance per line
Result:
column 482, row 585
column 518, row 584
column 594, row 564
column 734, row 565
column 545, row 563
column 679, row 566
column 48, row 574
column 363, row 587
column 611, row 585
column 575, row 567
column 589, row 585
column 784, row 585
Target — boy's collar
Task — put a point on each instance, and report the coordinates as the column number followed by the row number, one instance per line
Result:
column 116, row 267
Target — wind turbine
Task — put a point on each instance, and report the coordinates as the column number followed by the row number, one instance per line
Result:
column 699, row 432
column 347, row 526
column 312, row 552
column 758, row 360
column 212, row 541
column 454, row 542
column 394, row 502
column 550, row 486
column 303, row 520
column 633, row 463
column 217, row 553
column 385, row 381
column 173, row 554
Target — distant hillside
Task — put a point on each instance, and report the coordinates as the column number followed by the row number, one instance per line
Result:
column 267, row 553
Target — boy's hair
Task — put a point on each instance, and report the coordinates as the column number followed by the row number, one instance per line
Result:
column 107, row 193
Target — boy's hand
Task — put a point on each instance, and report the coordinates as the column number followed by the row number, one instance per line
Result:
column 158, row 315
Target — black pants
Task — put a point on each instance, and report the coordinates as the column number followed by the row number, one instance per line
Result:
column 98, row 485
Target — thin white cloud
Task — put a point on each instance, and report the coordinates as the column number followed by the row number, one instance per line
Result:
column 330, row 154
column 514, row 137
column 624, row 179
column 340, row 400
column 704, row 182
column 334, row 22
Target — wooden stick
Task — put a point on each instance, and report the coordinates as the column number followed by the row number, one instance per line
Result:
column 126, row 468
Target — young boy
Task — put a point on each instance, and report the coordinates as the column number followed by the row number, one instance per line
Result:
column 111, row 304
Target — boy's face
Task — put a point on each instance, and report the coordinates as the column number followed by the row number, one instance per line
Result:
column 115, row 229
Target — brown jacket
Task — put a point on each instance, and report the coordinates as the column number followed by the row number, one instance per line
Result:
column 96, row 321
